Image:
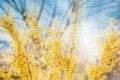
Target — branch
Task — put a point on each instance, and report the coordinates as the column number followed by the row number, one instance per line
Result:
column 24, row 7
column 94, row 6
column 41, row 9
column 21, row 5
column 3, row 9
column 16, row 5
column 69, row 7
column 13, row 6
column 53, row 15
column 85, row 2
column 68, row 20
column 99, row 11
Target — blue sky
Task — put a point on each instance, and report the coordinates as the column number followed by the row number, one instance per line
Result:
column 94, row 17
column 91, row 11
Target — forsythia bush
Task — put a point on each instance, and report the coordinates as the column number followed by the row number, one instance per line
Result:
column 105, row 67
column 40, row 53
column 38, row 56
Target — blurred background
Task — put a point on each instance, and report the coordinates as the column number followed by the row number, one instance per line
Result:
column 95, row 15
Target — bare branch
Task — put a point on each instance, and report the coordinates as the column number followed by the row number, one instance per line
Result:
column 97, row 11
column 83, row 3
column 54, row 14
column 3, row 9
column 41, row 9
column 94, row 6
column 67, row 11
column 13, row 6
column 23, row 7
column 16, row 6
column 68, row 20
